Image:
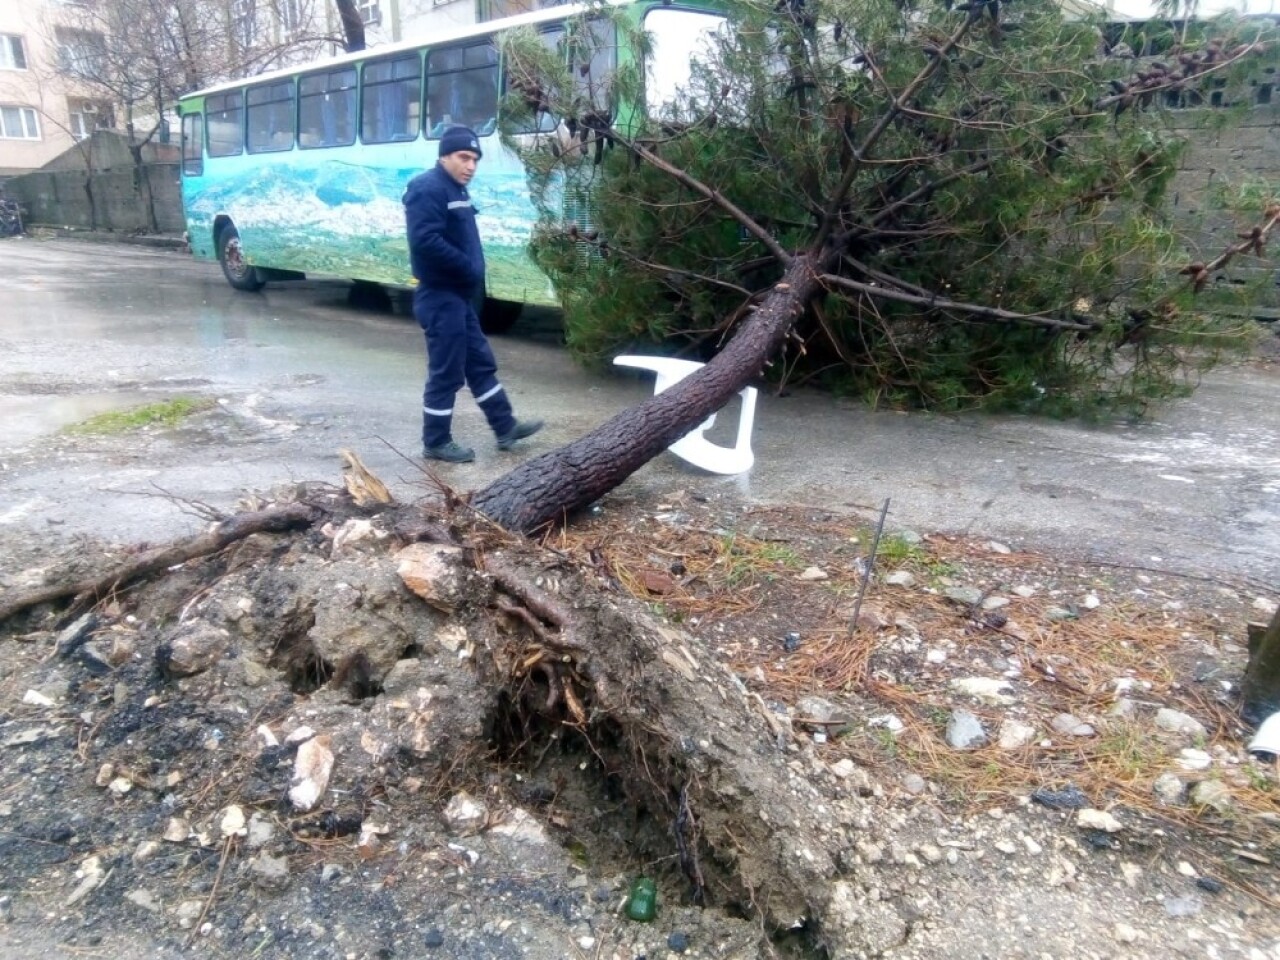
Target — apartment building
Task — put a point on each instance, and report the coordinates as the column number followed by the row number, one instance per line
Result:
column 41, row 112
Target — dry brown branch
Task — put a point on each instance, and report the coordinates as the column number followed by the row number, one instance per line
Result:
column 88, row 592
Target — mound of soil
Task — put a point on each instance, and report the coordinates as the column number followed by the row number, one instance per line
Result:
column 400, row 733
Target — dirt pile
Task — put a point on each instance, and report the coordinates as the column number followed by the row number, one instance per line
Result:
column 397, row 733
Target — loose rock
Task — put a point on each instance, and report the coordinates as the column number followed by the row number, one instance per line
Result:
column 1175, row 721
column 964, row 731
column 311, row 771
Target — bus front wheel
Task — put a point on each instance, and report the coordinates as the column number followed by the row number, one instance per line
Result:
column 239, row 274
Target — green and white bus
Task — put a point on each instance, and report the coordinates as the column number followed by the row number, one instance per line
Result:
column 301, row 171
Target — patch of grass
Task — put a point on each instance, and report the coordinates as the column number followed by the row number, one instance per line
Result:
column 1127, row 754
column 745, row 558
column 896, row 551
column 165, row 413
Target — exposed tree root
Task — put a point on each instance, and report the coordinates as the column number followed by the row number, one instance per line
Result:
column 85, row 593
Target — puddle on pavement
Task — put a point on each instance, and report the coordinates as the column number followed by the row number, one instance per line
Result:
column 27, row 418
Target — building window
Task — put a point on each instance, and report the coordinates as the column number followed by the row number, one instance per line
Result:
column 13, row 56
column 291, row 15
column 19, row 123
column 244, row 25
column 88, row 116
column 82, row 53
column 369, row 11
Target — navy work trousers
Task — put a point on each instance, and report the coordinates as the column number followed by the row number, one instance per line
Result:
column 457, row 353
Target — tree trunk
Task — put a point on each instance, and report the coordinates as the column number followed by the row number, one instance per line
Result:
column 1261, row 688
column 352, row 25
column 546, row 488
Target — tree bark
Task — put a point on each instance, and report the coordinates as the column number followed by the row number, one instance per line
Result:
column 352, row 25
column 90, row 591
column 547, row 488
column 1261, row 688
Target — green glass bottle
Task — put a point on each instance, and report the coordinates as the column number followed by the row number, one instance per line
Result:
column 642, row 905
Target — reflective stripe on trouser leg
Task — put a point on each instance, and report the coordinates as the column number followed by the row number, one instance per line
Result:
column 443, row 319
column 482, row 379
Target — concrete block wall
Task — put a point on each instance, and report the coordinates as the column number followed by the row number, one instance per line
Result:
column 1217, row 162
column 58, row 198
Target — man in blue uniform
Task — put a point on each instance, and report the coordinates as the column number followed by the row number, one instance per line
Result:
column 444, row 248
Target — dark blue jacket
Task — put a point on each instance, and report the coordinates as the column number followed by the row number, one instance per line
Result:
column 444, row 242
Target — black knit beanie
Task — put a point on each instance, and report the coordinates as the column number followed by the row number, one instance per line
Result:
column 460, row 138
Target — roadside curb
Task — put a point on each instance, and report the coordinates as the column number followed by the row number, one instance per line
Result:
column 159, row 241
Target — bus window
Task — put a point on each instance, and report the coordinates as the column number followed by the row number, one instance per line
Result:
column 462, row 87
column 389, row 100
column 679, row 39
column 327, row 109
column 594, row 65
column 542, row 121
column 224, row 117
column 270, row 117
column 593, row 59
column 192, row 145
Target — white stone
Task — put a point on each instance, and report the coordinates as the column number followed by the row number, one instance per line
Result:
column 995, row 546
column 91, row 875
column 260, row 831
column 1190, row 759
column 1169, row 788
column 311, row 771
column 995, row 603
column 434, row 572
column 888, row 721
column 964, row 731
column 813, row 573
column 900, row 578
column 984, row 689
column 1091, row 601
column 1265, row 605
column 232, row 823
column 464, row 813
column 1070, row 725
column 1125, row 933
column 1024, row 590
column 1212, row 793
column 1175, row 721
column 1015, row 734
column 1090, row 819
column 34, row 698
column 299, row 734
column 144, row 899
column 120, row 786
column 521, row 827
column 177, row 830
column 843, row 768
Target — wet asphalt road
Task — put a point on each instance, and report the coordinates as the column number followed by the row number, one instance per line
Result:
column 299, row 374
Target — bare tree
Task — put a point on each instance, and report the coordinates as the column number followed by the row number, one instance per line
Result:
column 352, row 25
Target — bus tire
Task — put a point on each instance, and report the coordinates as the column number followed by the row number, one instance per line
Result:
column 238, row 273
column 499, row 316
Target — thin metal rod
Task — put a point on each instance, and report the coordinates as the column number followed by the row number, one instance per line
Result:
column 871, row 563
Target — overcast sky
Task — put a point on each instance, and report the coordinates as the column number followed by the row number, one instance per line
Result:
column 1142, row 8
